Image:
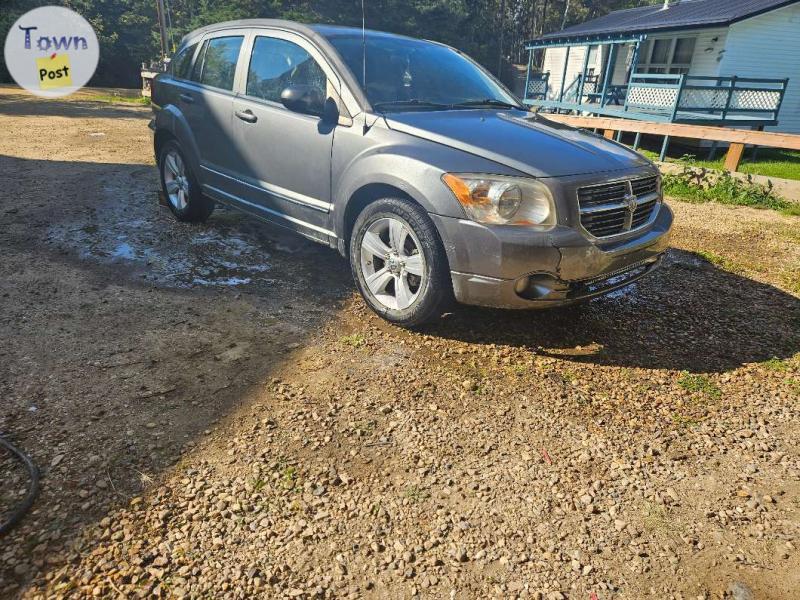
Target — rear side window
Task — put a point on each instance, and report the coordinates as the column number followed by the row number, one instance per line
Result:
column 275, row 64
column 216, row 65
column 182, row 62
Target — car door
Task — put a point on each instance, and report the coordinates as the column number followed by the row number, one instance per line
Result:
column 285, row 170
column 207, row 103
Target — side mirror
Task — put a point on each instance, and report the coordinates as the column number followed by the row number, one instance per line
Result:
column 330, row 112
column 303, row 99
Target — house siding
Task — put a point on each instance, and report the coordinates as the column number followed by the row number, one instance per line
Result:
column 554, row 62
column 769, row 46
column 621, row 63
column 703, row 62
column 708, row 51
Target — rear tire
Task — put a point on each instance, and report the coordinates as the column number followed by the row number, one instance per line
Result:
column 180, row 186
column 399, row 263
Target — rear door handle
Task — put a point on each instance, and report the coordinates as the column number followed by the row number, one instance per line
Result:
column 187, row 98
column 246, row 116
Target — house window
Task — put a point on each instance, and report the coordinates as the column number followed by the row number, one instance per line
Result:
column 666, row 55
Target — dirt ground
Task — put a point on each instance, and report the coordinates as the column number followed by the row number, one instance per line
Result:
column 217, row 414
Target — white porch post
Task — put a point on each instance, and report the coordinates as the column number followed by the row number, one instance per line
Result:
column 612, row 55
column 563, row 75
column 583, row 72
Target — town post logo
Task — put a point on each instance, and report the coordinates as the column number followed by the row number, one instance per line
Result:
column 51, row 51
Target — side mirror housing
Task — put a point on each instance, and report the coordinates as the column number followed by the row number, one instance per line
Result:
column 303, row 99
column 330, row 112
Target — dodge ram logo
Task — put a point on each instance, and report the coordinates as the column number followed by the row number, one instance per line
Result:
column 630, row 200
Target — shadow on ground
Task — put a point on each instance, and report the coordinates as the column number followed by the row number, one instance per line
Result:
column 689, row 315
column 129, row 337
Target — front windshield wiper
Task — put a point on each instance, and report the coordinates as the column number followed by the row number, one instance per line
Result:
column 412, row 102
column 487, row 102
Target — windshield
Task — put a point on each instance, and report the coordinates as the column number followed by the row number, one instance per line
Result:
column 407, row 74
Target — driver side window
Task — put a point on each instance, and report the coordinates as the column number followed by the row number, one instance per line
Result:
column 276, row 64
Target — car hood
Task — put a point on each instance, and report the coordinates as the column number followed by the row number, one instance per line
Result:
column 521, row 140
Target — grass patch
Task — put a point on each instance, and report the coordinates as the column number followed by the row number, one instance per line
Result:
column 568, row 376
column 111, row 99
column 699, row 185
column 518, row 369
column 656, row 520
column 684, row 421
column 355, row 340
column 700, row 384
column 416, row 494
column 719, row 261
column 289, row 477
column 776, row 364
column 771, row 162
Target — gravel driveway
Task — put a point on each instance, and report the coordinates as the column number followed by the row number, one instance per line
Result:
column 217, row 414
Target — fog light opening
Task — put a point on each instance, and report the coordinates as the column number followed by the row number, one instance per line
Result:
column 538, row 287
column 521, row 285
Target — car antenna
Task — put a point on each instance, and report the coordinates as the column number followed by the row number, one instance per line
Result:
column 363, row 47
column 364, row 56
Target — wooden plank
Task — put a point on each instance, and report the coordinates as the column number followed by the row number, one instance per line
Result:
column 609, row 134
column 734, row 156
column 769, row 139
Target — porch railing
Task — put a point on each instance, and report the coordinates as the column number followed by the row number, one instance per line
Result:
column 667, row 95
column 536, row 86
column 719, row 96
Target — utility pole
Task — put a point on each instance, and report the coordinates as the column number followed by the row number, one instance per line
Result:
column 162, row 27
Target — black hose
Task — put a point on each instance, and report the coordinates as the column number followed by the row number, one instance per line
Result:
column 33, row 490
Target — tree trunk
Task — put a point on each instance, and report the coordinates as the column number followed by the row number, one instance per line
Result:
column 543, row 22
column 566, row 10
column 502, row 35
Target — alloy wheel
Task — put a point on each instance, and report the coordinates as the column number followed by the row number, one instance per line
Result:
column 392, row 263
column 176, row 180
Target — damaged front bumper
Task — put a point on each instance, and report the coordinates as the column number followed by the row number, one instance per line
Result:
column 512, row 267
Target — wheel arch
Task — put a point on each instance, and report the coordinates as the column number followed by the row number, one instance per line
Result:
column 360, row 199
column 172, row 125
column 162, row 136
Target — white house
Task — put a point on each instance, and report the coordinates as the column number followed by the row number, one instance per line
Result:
column 710, row 61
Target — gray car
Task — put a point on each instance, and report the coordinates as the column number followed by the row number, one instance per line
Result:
column 411, row 160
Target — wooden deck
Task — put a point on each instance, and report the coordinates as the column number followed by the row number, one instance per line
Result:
column 690, row 99
column 736, row 138
column 680, row 116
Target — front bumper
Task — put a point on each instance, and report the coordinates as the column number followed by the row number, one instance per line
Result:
column 511, row 267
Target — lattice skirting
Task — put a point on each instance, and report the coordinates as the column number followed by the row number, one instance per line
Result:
column 652, row 97
column 755, row 100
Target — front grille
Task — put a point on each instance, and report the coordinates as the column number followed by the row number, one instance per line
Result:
column 648, row 185
column 602, row 194
column 606, row 210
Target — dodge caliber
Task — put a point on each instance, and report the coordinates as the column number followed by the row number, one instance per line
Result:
column 408, row 158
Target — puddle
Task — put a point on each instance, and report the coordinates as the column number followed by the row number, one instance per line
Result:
column 225, row 252
column 629, row 292
column 683, row 259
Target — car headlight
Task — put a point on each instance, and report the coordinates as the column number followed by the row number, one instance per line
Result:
column 502, row 200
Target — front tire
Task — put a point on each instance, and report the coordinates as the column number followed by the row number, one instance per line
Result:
column 180, row 186
column 399, row 263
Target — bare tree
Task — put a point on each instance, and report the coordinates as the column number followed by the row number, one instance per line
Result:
column 564, row 18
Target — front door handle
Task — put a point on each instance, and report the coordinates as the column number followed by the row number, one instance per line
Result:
column 246, row 115
column 187, row 98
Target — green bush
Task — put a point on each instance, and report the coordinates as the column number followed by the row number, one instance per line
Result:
column 698, row 184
